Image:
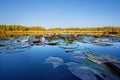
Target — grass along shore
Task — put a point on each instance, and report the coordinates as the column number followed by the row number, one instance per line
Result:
column 96, row 33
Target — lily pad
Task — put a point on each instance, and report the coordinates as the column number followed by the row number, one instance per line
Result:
column 68, row 46
column 56, row 61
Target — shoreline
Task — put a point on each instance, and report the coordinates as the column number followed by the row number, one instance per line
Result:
column 95, row 33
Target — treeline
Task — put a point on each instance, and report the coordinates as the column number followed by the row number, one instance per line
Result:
column 20, row 28
column 39, row 28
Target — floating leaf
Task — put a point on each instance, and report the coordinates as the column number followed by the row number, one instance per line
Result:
column 56, row 61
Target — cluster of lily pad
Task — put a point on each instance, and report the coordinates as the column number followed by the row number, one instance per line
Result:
column 86, row 64
column 14, row 45
column 55, row 39
column 63, row 41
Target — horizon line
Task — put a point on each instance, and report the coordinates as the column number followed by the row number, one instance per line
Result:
column 64, row 26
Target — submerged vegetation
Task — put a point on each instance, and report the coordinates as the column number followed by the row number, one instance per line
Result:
column 18, row 29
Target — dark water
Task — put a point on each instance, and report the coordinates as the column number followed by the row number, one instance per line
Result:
column 30, row 64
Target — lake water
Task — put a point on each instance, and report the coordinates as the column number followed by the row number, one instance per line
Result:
column 23, row 60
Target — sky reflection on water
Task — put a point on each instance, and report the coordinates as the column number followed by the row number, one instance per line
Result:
column 27, row 63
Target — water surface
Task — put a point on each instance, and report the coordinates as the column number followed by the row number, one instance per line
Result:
column 28, row 62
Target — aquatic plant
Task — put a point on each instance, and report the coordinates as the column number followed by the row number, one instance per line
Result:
column 86, row 72
column 81, row 62
column 16, row 45
column 68, row 46
column 56, row 61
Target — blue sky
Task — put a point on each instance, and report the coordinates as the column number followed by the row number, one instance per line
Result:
column 60, row 13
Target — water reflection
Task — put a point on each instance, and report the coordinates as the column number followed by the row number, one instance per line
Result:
column 84, row 62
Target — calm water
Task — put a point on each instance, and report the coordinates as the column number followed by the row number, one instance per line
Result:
column 29, row 64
